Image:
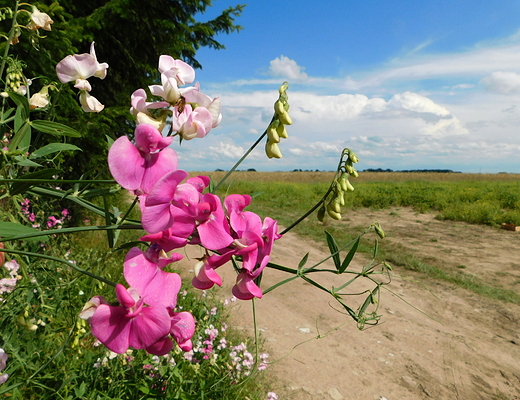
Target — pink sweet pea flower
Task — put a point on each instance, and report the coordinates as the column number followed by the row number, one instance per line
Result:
column 245, row 287
column 192, row 123
column 138, row 167
column 213, row 227
column 131, row 324
column 182, row 329
column 166, row 199
column 142, row 271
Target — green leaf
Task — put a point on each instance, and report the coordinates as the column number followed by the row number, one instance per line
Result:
column 54, row 128
column 11, row 229
column 21, row 101
column 350, row 256
column 333, row 247
column 303, row 261
column 53, row 148
column 24, row 162
column 110, row 142
column 22, row 137
column 20, row 187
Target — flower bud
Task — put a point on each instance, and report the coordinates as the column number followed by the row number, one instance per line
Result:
column 379, row 230
column 272, row 134
column 333, row 214
column 282, row 132
column 321, row 213
column 352, row 156
column 285, row 118
column 283, row 88
column 278, row 107
column 272, row 150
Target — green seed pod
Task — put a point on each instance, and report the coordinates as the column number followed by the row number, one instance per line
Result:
column 349, row 185
column 354, row 174
column 341, row 197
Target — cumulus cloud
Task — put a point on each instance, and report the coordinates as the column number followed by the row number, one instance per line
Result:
column 286, row 68
column 417, row 103
column 502, row 82
column 445, row 127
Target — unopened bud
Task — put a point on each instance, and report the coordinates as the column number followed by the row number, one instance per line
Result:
column 285, row 118
column 379, row 230
column 321, row 213
column 272, row 150
column 283, row 88
column 333, row 214
column 282, row 132
column 272, row 134
column 353, row 156
column 278, row 107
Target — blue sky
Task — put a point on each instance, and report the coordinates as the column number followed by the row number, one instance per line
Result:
column 405, row 84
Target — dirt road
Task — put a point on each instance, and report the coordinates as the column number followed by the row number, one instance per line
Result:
column 468, row 348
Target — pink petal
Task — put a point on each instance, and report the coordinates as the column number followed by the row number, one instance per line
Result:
column 245, row 288
column 161, row 347
column 156, row 286
column 156, row 166
column 182, row 329
column 152, row 324
column 78, row 66
column 111, row 327
column 126, row 164
column 148, row 139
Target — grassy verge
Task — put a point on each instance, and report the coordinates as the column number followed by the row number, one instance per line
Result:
column 286, row 201
column 52, row 354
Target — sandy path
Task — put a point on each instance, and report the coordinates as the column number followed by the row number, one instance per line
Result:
column 471, row 351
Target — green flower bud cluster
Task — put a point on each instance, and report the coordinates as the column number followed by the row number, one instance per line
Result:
column 14, row 76
column 276, row 130
column 340, row 186
column 6, row 13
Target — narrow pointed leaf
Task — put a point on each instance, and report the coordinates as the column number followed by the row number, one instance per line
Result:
column 333, row 247
column 53, row 148
column 28, row 163
column 20, row 187
column 349, row 257
column 54, row 128
column 303, row 261
column 12, row 229
column 22, row 137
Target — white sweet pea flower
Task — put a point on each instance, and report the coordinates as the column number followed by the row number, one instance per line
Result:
column 39, row 100
column 101, row 69
column 192, row 123
column 89, row 103
column 39, row 20
column 183, row 73
column 80, row 66
column 203, row 100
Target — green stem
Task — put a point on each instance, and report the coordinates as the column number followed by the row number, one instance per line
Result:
column 55, row 181
column 66, row 262
column 241, row 159
column 73, row 230
column 8, row 44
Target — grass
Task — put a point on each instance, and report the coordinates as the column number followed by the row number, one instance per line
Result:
column 484, row 199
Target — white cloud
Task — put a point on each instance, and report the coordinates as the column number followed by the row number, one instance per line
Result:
column 502, row 82
column 227, row 150
column 286, row 68
column 445, row 127
column 417, row 103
